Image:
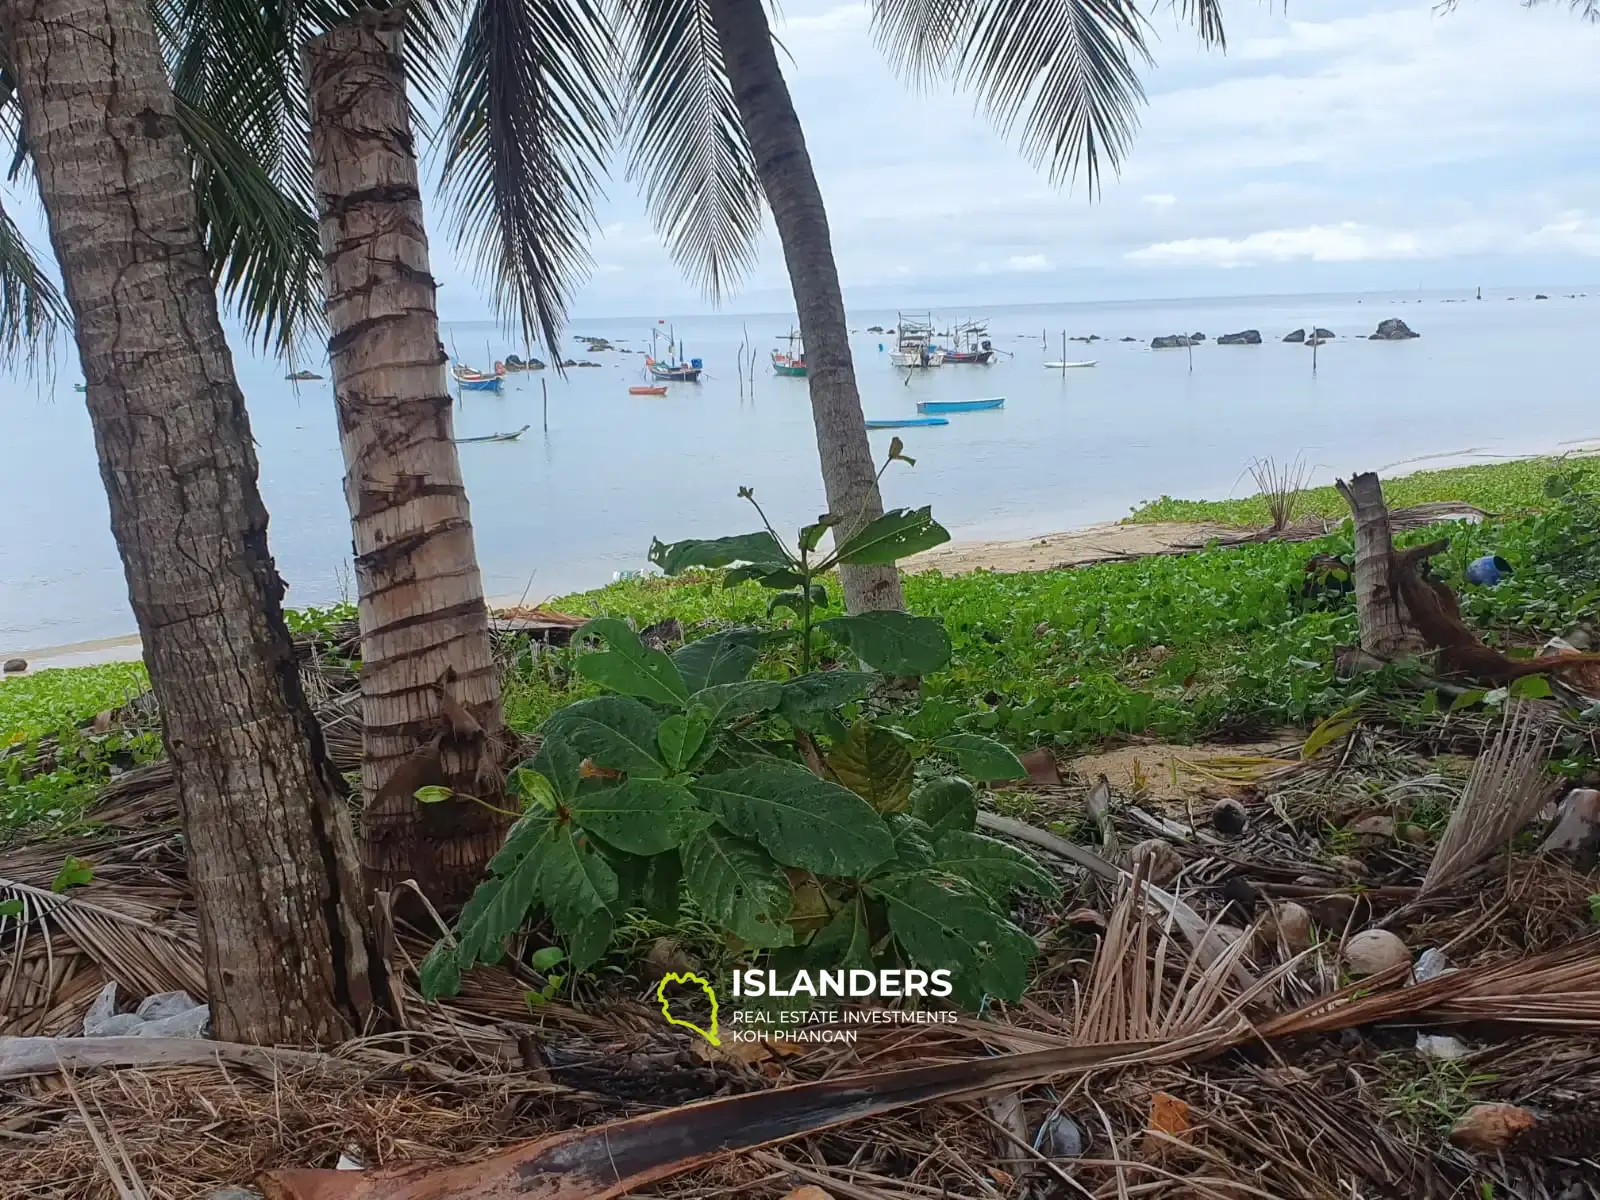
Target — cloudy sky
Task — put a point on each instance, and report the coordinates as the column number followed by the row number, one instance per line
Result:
column 1343, row 145
column 1339, row 145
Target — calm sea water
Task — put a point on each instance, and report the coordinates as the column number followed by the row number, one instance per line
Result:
column 564, row 509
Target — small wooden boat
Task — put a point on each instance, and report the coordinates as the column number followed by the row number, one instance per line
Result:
column 973, row 357
column 466, row 374
column 907, row 423
column 485, row 383
column 1067, row 366
column 791, row 364
column 688, row 372
column 950, row 406
column 80, row 387
column 643, row 390
column 496, row 437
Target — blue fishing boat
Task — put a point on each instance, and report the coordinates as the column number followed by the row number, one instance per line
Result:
column 949, row 406
column 489, row 383
column 907, row 423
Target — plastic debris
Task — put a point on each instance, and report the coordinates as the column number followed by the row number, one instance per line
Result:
column 1488, row 570
column 166, row 1014
column 1061, row 1137
column 1431, row 964
column 1440, row 1047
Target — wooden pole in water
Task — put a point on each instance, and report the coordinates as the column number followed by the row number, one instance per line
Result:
column 1315, row 342
column 544, row 390
column 1189, row 342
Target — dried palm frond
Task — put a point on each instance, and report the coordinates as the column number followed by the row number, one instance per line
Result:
column 1280, row 485
column 1507, row 786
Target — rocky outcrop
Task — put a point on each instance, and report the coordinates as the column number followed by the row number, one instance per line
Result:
column 302, row 376
column 15, row 666
column 1298, row 336
column 1128, row 339
column 1321, row 333
column 1196, row 338
column 1541, row 296
column 1174, row 341
column 1249, row 337
column 1392, row 330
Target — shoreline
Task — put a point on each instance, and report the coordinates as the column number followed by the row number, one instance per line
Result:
column 1080, row 545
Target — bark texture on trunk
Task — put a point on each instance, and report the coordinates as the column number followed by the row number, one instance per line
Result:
column 1386, row 628
column 784, row 166
column 430, row 692
column 270, row 846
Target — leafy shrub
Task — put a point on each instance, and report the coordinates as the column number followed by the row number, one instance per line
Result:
column 787, row 817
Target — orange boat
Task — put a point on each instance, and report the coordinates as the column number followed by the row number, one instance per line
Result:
column 647, row 391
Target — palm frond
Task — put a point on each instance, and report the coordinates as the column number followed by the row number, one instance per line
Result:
column 32, row 310
column 687, row 146
column 528, row 126
column 1060, row 74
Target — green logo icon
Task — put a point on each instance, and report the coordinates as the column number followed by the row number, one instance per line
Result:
column 689, row 977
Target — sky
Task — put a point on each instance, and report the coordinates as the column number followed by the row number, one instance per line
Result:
column 1337, row 145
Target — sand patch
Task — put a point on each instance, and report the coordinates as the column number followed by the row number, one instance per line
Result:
column 1092, row 543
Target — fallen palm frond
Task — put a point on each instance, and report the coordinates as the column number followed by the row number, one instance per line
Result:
column 1507, row 786
column 607, row 1161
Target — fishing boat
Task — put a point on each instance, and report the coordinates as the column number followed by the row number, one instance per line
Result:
column 790, row 363
column 466, row 374
column 1067, row 366
column 972, row 348
column 907, row 423
column 646, row 390
column 80, row 387
column 670, row 370
column 483, row 383
column 495, row 437
column 950, row 406
column 915, row 349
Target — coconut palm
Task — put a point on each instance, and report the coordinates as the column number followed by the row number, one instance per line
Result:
column 132, row 216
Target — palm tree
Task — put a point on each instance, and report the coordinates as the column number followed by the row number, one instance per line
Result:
column 131, row 219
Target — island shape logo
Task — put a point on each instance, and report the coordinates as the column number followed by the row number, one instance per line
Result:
column 689, row 977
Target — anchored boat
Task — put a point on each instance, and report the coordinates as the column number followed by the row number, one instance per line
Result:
column 952, row 406
column 790, row 364
column 644, row 390
column 496, row 437
column 1067, row 366
column 906, row 423
column 669, row 370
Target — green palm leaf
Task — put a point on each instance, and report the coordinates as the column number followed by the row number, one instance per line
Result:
column 687, row 146
column 528, row 126
column 32, row 310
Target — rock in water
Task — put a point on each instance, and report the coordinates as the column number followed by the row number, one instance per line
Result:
column 1321, row 333
column 1298, row 336
column 1173, row 341
column 15, row 666
column 1491, row 1127
column 1229, row 817
column 1248, row 337
column 1392, row 330
column 1373, row 951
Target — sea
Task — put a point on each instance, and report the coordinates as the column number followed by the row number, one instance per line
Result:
column 577, row 499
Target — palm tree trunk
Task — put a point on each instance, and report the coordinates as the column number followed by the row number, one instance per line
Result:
column 848, row 474
column 270, row 847
column 430, row 693
column 1386, row 629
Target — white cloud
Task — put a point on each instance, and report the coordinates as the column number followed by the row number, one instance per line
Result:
column 1027, row 263
column 1160, row 199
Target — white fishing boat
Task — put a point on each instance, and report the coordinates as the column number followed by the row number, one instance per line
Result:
column 1067, row 366
column 915, row 348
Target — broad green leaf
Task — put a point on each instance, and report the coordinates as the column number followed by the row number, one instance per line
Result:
column 738, row 886
column 559, row 763
column 501, row 903
column 728, row 701
column 1531, row 687
column 630, row 667
column 794, row 601
column 874, row 764
column 439, row 972
column 547, row 957
column 802, row 821
column 823, row 690
column 811, row 535
column 913, row 841
column 521, row 838
column 74, row 872
column 641, row 816
column 613, row 732
column 895, row 643
column 530, row 788
column 724, row 657
column 681, row 736
column 760, row 547
column 895, row 535
column 574, row 879
column 945, row 923
column 946, row 804
column 588, row 939
column 11, row 908
column 766, row 574
column 982, row 758
column 844, row 942
column 663, row 887
column 1467, row 699
column 996, row 868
